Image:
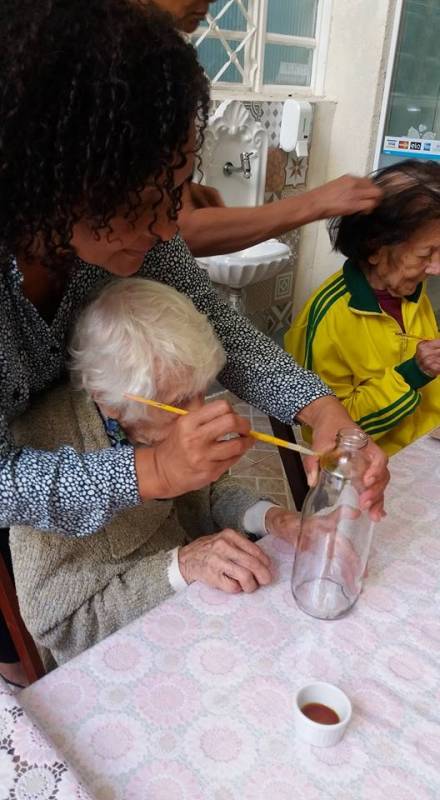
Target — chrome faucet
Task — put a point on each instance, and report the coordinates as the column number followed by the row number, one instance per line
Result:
column 245, row 166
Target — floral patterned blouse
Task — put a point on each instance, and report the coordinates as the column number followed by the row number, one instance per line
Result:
column 77, row 493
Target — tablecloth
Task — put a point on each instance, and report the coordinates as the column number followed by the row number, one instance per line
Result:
column 193, row 701
column 30, row 767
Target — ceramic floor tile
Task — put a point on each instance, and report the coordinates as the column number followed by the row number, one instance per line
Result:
column 266, row 467
column 263, row 446
column 269, row 485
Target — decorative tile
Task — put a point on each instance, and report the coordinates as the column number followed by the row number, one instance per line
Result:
column 283, row 286
column 276, row 170
column 292, row 239
column 255, row 110
column 296, row 170
column 271, row 120
column 279, row 318
column 259, row 296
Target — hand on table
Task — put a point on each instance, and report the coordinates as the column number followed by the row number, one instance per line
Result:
column 225, row 560
column 193, row 455
column 428, row 357
column 326, row 417
column 283, row 523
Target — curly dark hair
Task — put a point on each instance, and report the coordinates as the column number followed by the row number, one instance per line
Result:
column 97, row 99
column 411, row 198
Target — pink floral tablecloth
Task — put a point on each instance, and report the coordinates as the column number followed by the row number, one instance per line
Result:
column 194, row 700
column 30, row 767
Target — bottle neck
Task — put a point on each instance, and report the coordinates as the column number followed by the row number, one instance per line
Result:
column 351, row 439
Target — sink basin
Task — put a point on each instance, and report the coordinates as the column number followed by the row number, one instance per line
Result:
column 257, row 263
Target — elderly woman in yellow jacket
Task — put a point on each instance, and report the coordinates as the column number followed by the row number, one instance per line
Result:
column 369, row 330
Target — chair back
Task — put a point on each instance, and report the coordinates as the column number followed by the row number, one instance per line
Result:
column 292, row 463
column 23, row 642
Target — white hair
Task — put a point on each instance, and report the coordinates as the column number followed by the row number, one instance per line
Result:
column 141, row 337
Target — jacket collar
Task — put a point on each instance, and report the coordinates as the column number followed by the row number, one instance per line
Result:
column 362, row 296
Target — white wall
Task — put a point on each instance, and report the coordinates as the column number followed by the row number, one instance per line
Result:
column 346, row 121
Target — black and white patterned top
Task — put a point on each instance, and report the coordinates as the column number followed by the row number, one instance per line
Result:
column 76, row 493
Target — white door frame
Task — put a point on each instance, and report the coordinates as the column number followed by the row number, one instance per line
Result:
column 388, row 79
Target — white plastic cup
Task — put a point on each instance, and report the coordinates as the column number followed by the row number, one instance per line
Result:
column 316, row 733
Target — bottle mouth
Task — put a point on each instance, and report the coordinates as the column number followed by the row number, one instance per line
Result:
column 351, row 438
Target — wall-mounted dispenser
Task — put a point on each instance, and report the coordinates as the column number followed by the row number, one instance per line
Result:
column 296, row 123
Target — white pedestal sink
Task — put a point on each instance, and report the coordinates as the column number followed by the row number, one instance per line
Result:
column 245, row 267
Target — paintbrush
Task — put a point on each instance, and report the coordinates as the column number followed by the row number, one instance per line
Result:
column 261, row 437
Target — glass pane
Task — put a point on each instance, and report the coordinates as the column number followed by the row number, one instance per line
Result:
column 292, row 17
column 288, row 65
column 233, row 19
column 212, row 55
column 413, row 123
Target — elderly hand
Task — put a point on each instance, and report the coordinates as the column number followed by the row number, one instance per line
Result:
column 428, row 357
column 283, row 523
column 327, row 416
column 227, row 561
column 345, row 195
column 194, row 453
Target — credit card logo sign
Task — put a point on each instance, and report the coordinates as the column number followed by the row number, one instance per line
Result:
column 427, row 146
column 415, row 146
column 403, row 145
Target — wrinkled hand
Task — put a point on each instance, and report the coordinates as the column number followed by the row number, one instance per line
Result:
column 375, row 479
column 226, row 561
column 193, row 454
column 205, row 196
column 326, row 416
column 283, row 523
column 428, row 357
column 346, row 195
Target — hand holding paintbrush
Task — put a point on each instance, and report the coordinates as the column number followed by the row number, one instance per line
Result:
column 262, row 437
column 427, row 354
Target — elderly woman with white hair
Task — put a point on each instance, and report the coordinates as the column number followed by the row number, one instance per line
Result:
column 136, row 336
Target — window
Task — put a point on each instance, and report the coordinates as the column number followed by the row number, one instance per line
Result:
column 265, row 45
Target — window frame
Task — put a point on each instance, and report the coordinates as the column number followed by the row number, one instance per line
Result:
column 257, row 37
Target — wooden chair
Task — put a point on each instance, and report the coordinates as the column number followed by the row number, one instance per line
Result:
column 23, row 642
column 292, row 463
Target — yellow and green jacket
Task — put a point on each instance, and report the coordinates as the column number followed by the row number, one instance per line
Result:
column 344, row 336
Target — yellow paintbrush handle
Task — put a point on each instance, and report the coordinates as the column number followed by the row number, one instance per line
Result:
column 155, row 403
column 261, row 437
column 266, row 437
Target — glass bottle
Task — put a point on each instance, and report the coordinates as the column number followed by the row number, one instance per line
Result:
column 335, row 536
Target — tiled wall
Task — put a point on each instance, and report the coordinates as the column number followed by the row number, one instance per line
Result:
column 269, row 303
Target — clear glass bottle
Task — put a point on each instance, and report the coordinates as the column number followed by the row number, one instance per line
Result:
column 335, row 535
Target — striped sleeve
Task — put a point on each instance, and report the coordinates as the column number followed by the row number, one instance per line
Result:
column 377, row 403
column 322, row 340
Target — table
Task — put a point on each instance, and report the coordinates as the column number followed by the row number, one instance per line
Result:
column 193, row 701
column 30, row 767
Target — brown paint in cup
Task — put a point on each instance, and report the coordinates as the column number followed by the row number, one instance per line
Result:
column 320, row 713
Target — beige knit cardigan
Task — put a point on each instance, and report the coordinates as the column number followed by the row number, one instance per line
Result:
column 75, row 591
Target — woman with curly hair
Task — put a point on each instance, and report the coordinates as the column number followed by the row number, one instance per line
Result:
column 102, row 105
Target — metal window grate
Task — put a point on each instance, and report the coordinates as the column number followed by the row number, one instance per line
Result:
column 255, row 44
